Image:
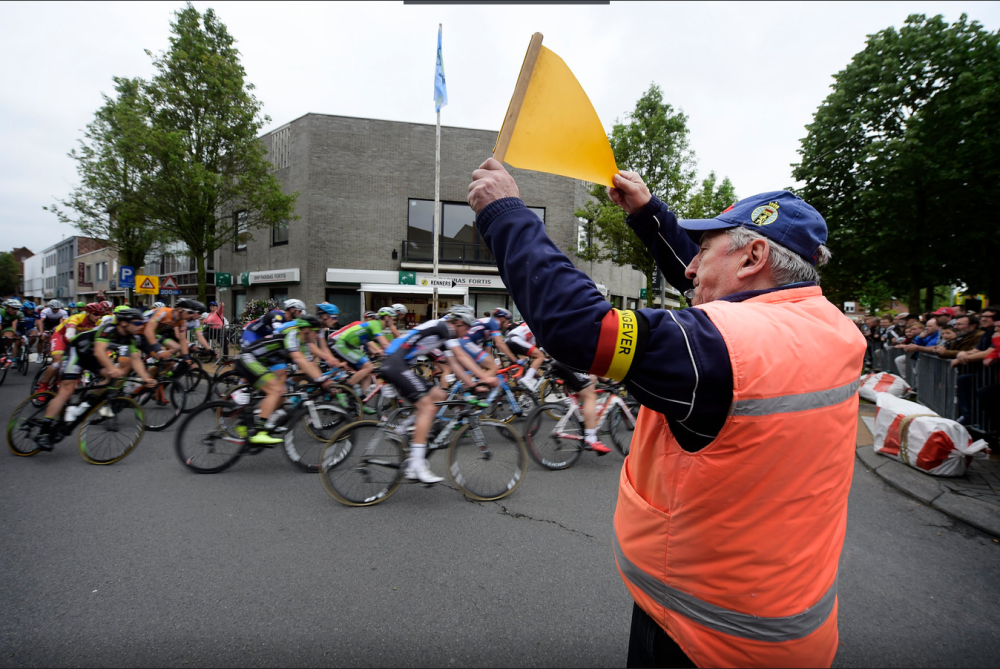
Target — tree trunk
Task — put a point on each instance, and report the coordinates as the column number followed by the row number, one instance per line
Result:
column 929, row 299
column 202, row 262
column 913, row 300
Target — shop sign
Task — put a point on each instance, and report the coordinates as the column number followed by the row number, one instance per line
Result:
column 465, row 280
column 274, row 276
column 223, row 279
column 244, row 278
column 642, row 293
column 439, row 282
column 407, row 278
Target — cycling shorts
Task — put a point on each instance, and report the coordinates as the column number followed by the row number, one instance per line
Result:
column 474, row 351
column 518, row 346
column 355, row 357
column 573, row 380
column 76, row 364
column 253, row 370
column 59, row 342
column 409, row 385
column 248, row 337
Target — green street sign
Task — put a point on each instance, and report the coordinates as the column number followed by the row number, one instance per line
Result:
column 407, row 278
column 245, row 278
column 642, row 293
column 223, row 279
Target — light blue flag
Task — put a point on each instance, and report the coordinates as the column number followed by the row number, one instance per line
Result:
column 440, row 89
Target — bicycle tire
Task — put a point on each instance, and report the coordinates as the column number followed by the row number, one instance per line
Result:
column 551, row 392
column 191, row 389
column 502, row 447
column 362, row 464
column 621, row 429
column 159, row 408
column 23, row 362
column 3, row 373
column 306, row 441
column 351, row 402
column 35, row 383
column 125, row 411
column 224, row 384
column 210, row 424
column 23, row 429
column 500, row 408
column 546, row 449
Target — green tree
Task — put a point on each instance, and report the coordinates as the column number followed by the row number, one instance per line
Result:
column 112, row 201
column 902, row 159
column 653, row 141
column 9, row 273
column 204, row 125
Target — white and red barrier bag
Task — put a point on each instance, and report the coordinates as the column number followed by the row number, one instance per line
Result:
column 915, row 435
column 882, row 382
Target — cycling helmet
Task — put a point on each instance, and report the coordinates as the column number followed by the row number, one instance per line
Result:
column 387, row 311
column 294, row 304
column 464, row 313
column 328, row 309
column 29, row 305
column 120, row 308
column 13, row 303
column 307, row 320
column 158, row 305
column 129, row 314
column 107, row 306
column 502, row 313
column 401, row 310
column 191, row 305
column 81, row 305
column 370, row 315
column 94, row 308
column 55, row 305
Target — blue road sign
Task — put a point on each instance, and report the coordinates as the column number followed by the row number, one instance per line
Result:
column 126, row 277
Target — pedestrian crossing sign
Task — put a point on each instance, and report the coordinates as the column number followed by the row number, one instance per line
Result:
column 147, row 285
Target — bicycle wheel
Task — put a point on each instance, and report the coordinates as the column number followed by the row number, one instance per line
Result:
column 25, row 424
column 362, row 464
column 111, row 431
column 552, row 391
column 501, row 409
column 622, row 428
column 22, row 362
column 43, row 398
column 544, row 446
column 487, row 460
column 310, row 434
column 191, row 389
column 344, row 396
column 158, row 405
column 213, row 437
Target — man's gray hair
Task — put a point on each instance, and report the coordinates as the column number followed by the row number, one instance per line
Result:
column 786, row 265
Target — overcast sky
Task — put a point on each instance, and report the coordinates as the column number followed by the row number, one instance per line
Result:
column 748, row 75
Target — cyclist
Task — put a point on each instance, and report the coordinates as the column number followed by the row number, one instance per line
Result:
column 256, row 361
column 10, row 316
column 88, row 351
column 352, row 345
column 265, row 325
column 166, row 329
column 522, row 342
column 486, row 332
column 329, row 316
column 422, row 340
column 51, row 316
column 401, row 311
column 27, row 327
column 584, row 385
column 84, row 321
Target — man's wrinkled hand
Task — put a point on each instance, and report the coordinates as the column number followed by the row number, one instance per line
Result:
column 630, row 192
column 491, row 182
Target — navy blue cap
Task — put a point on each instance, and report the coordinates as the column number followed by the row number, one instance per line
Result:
column 780, row 216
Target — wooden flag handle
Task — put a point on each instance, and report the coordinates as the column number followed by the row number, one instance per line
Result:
column 520, row 90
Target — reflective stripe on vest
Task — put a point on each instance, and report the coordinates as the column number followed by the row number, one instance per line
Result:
column 793, row 403
column 745, row 626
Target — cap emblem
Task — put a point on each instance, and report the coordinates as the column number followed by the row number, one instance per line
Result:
column 765, row 214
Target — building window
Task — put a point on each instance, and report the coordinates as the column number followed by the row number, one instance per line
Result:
column 102, row 271
column 242, row 229
column 279, row 295
column 278, row 154
column 88, row 275
column 617, row 301
column 279, row 234
column 459, row 241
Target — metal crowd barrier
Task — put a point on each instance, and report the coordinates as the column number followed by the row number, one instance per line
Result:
column 937, row 384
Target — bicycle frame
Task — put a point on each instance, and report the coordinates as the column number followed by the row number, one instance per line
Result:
column 603, row 410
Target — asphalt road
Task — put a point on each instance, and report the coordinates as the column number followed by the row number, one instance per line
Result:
column 143, row 563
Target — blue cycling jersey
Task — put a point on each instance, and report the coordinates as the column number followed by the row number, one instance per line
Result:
column 482, row 332
column 26, row 324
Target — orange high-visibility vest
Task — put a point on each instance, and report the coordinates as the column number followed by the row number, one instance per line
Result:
column 733, row 549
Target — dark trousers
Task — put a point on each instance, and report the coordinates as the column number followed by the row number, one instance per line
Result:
column 650, row 646
column 963, row 392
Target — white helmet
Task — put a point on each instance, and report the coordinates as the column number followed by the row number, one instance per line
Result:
column 55, row 305
column 13, row 303
column 400, row 309
column 158, row 305
column 294, row 304
column 464, row 313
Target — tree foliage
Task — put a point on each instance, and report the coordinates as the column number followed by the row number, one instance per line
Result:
column 112, row 201
column 902, row 159
column 9, row 272
column 653, row 141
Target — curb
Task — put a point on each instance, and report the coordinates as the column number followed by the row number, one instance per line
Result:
column 979, row 514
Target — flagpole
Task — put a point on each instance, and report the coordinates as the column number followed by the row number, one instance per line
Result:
column 437, row 202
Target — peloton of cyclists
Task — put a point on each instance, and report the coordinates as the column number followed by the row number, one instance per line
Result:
column 63, row 333
column 266, row 324
column 166, row 328
column 88, row 351
column 353, row 343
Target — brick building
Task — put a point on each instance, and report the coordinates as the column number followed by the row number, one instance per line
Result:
column 364, row 238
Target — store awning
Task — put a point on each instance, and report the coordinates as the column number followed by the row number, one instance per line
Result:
column 419, row 290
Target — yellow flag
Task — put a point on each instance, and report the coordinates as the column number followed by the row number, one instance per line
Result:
column 557, row 130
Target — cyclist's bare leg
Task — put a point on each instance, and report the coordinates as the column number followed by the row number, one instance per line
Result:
column 363, row 376
column 51, row 371
column 588, row 402
column 273, row 389
column 14, row 343
column 425, row 414
column 56, row 404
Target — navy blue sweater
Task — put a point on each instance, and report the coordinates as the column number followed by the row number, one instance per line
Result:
column 680, row 367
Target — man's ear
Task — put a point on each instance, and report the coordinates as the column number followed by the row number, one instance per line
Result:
column 756, row 255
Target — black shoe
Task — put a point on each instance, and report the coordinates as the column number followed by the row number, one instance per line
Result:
column 44, row 442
